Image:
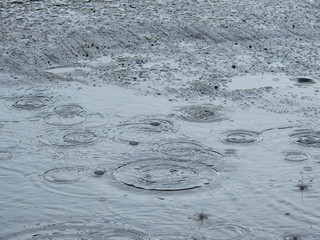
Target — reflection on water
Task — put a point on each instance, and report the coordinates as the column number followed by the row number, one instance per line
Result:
column 162, row 176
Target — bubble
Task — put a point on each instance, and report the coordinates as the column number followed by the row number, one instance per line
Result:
column 202, row 113
column 241, row 136
column 165, row 175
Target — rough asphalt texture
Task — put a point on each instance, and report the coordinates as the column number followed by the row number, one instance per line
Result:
column 207, row 40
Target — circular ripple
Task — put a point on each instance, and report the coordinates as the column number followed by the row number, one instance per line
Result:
column 66, row 174
column 80, row 137
column 69, row 139
column 295, row 156
column 241, row 136
column 5, row 155
column 32, row 102
column 151, row 125
column 179, row 237
column 308, row 138
column 165, row 175
column 142, row 129
column 298, row 236
column 203, row 113
column 68, row 109
column 77, row 230
column 64, row 120
column 223, row 230
column 184, row 147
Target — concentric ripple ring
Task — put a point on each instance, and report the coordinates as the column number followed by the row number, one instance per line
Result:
column 307, row 138
column 32, row 102
column 202, row 113
column 69, row 109
column 165, row 175
column 77, row 230
column 241, row 136
column 66, row 175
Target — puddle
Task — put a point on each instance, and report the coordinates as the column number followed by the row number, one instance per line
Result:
column 260, row 81
column 109, row 149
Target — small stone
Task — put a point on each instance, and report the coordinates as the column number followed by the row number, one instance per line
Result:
column 99, row 172
column 155, row 124
column 133, row 143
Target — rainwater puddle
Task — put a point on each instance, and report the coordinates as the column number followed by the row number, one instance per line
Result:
column 260, row 81
column 167, row 169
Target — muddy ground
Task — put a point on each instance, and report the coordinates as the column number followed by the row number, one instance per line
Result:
column 159, row 119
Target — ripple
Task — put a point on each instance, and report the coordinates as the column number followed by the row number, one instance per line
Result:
column 165, row 175
column 295, row 156
column 32, row 102
column 185, row 147
column 64, row 120
column 69, row 109
column 202, row 113
column 77, row 230
column 179, row 237
column 241, row 136
column 81, row 137
column 5, row 155
column 143, row 129
column 66, row 174
column 307, row 138
column 223, row 230
column 70, row 138
column 298, row 236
